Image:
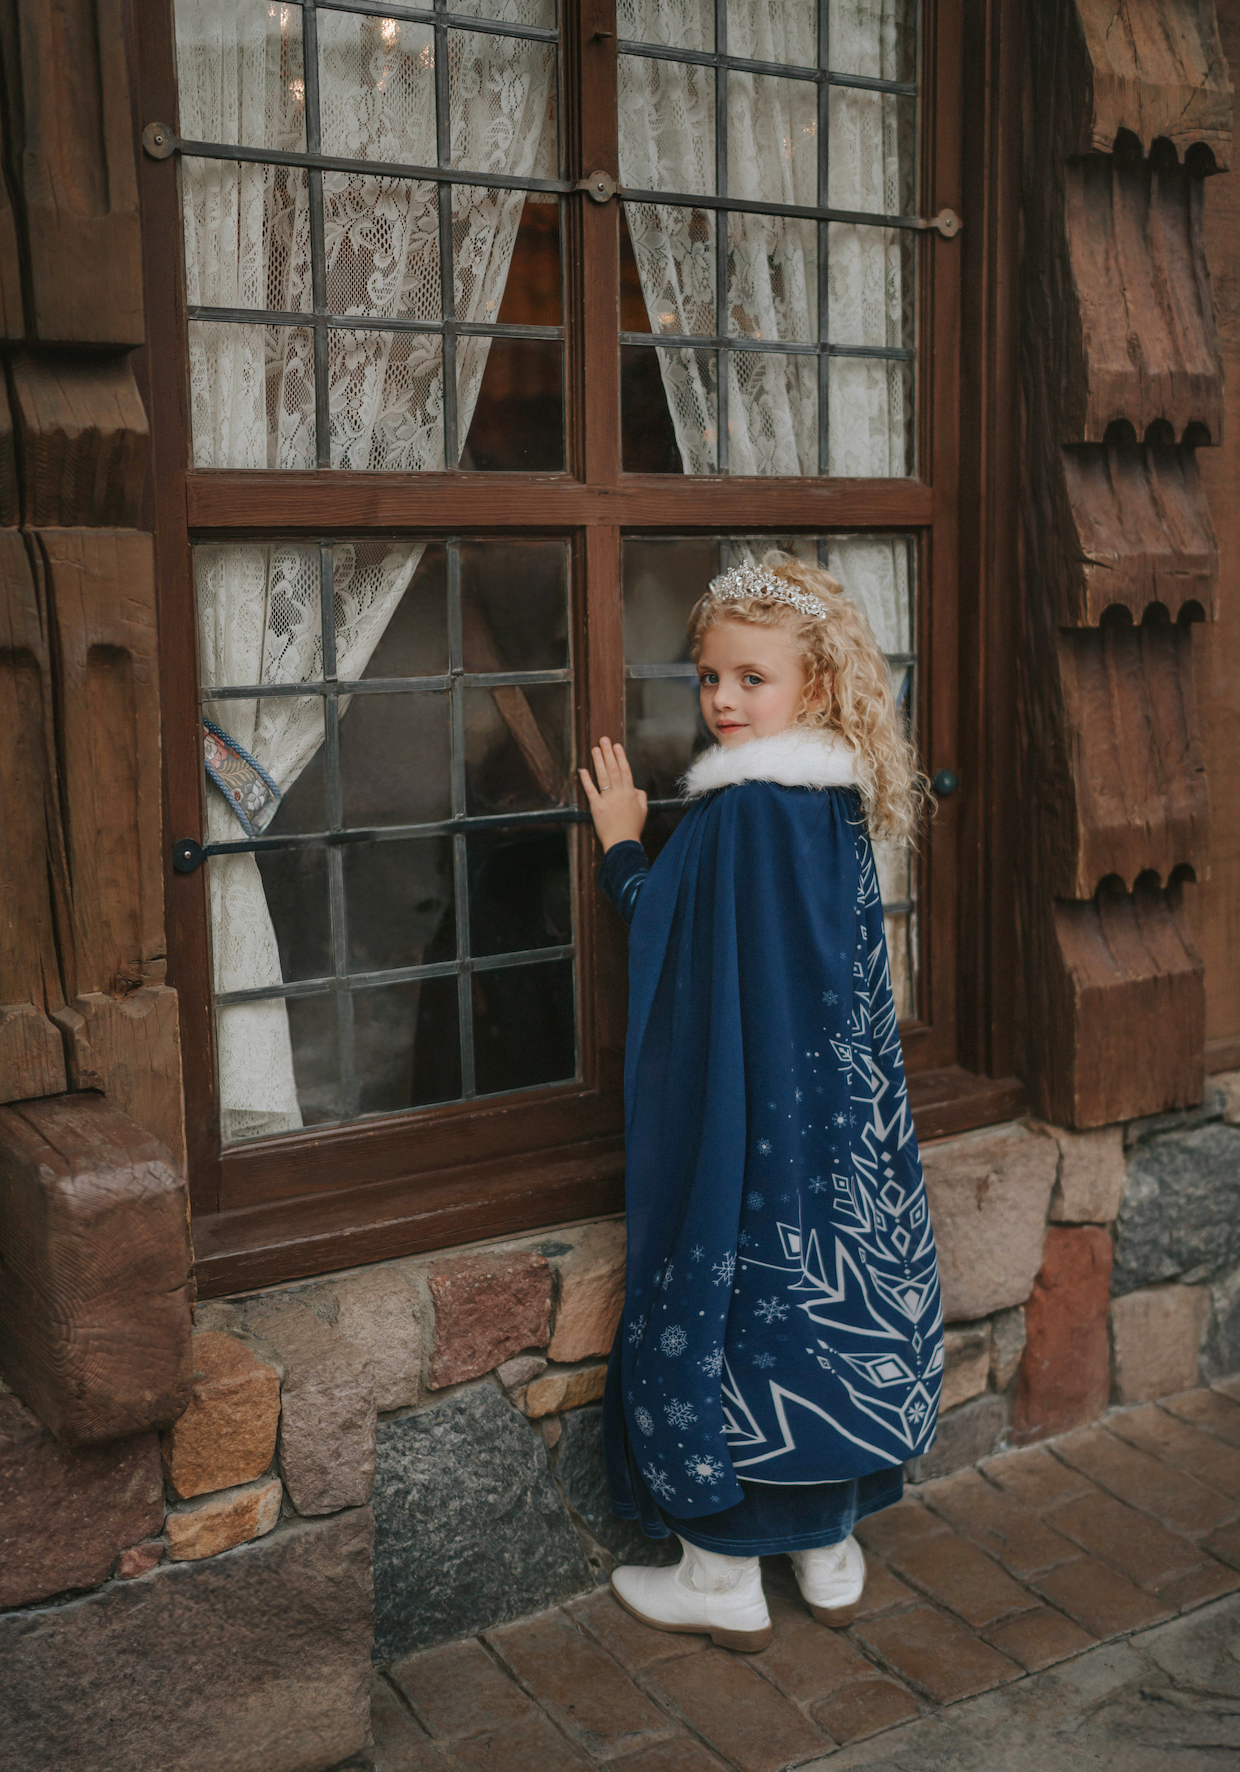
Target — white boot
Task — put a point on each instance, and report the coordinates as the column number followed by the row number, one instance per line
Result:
column 832, row 1581
column 717, row 1596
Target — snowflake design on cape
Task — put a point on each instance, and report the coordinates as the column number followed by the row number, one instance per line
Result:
column 637, row 1328
column 658, row 1482
column 712, row 1365
column 724, row 1269
column 765, row 1147
column 818, row 1184
column 697, row 1252
column 644, row 1420
column 744, row 1239
column 770, row 1310
column 755, row 1201
column 674, row 1341
column 764, row 1361
column 839, row 1119
column 831, row 998
column 679, row 1414
column 703, row 1468
column 667, row 1277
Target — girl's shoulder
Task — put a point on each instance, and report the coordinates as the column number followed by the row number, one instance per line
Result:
column 800, row 758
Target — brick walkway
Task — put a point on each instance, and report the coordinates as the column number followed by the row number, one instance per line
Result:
column 978, row 1580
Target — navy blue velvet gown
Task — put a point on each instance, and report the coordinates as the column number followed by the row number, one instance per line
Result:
column 781, row 1350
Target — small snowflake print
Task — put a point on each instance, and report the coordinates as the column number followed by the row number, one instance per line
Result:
column 703, row 1468
column 831, row 998
column 755, row 1201
column 744, row 1239
column 798, row 1095
column 818, row 1184
column 770, row 1310
column 724, row 1269
column 765, row 1147
column 697, row 1252
column 658, row 1482
column 667, row 1277
column 839, row 1119
column 679, row 1414
column 644, row 1420
column 916, row 1410
column 765, row 1361
column 712, row 1365
column 637, row 1328
column 673, row 1341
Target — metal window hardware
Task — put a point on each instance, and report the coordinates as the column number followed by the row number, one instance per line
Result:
column 159, row 141
column 946, row 222
column 945, row 782
column 600, row 186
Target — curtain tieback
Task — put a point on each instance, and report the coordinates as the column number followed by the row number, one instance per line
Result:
column 251, row 793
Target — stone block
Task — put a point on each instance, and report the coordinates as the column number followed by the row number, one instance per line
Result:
column 591, row 1293
column 1092, row 1174
column 487, row 1308
column 258, row 1661
column 327, row 1415
column 1220, row 1349
column 582, row 1477
column 1228, row 1086
column 989, row 1192
column 379, row 1313
column 1155, row 1335
column 65, row 1512
column 227, row 1435
column 562, row 1388
column 1181, row 1210
column 470, row 1530
column 966, row 1363
column 964, row 1435
column 1007, row 1344
column 514, row 1373
column 219, row 1522
column 140, row 1559
column 1065, row 1372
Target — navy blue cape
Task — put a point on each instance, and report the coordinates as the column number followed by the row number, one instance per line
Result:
column 782, row 1315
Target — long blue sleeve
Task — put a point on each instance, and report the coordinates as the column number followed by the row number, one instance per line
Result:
column 622, row 876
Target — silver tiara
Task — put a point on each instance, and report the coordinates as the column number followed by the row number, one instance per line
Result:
column 759, row 581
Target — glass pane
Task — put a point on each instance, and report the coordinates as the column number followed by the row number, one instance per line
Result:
column 284, row 736
column 689, row 383
column 247, row 236
column 381, row 238
column 385, row 397
column 518, row 748
column 773, row 278
column 648, row 441
column 772, row 139
column 866, row 39
column 295, row 884
column 667, row 125
column 511, row 12
column 415, row 640
column 871, row 157
column 870, row 283
column 772, row 413
column 394, row 760
column 774, row 32
column 900, row 956
column 240, row 77
column 663, row 732
column 259, row 614
column 251, row 395
column 406, row 1045
column 502, row 102
column 506, row 256
column 514, row 605
column 524, row 1026
column 399, row 904
column 316, row 1057
column 518, row 422
column 876, row 571
column 519, row 891
column 662, row 582
column 678, row 24
column 871, row 417
column 674, row 256
column 376, row 88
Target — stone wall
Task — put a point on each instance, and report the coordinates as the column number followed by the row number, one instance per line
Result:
column 449, row 1405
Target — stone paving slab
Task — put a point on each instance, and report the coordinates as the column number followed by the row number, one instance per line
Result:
column 998, row 1622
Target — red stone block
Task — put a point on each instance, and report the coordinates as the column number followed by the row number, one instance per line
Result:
column 578, row 1685
column 633, row 1644
column 1208, row 1409
column 807, row 1660
column 1188, row 1448
column 1099, row 1599
column 1145, row 1482
column 487, row 1308
column 998, row 1522
column 933, row 1652
column 139, row 1559
column 962, row 1578
column 1208, row 1583
column 738, row 1712
column 681, row 1754
column 1036, row 1477
column 1226, row 1544
column 1065, row 1372
column 1040, row 1638
column 864, row 1709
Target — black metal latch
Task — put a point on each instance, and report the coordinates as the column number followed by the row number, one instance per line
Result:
column 600, row 186
column 159, row 140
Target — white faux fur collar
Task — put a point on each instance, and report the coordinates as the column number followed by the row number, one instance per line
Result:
column 795, row 759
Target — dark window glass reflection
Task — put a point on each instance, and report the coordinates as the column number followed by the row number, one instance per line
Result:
column 518, row 422
column 519, row 893
column 517, row 748
column 415, row 641
column 400, row 904
column 316, row 1057
column 407, row 1045
column 514, row 605
column 524, row 1027
column 395, row 756
column 295, row 882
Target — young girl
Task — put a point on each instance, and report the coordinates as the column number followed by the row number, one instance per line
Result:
column 781, row 1350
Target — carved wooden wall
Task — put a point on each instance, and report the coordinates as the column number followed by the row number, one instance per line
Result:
column 1129, row 108
column 83, row 1001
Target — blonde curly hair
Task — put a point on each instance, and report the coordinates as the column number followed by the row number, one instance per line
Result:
column 847, row 690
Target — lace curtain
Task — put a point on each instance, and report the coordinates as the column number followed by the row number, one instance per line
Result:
column 247, row 241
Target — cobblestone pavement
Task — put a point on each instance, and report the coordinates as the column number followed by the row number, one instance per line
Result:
column 1059, row 1607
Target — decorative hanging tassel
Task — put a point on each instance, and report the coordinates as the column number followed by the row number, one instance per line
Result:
column 251, row 793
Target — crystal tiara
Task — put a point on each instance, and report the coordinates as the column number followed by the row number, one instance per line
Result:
column 760, row 581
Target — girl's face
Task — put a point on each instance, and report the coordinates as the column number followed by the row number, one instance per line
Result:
column 751, row 681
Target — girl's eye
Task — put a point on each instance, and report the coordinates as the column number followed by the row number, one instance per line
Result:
column 708, row 679
column 752, row 677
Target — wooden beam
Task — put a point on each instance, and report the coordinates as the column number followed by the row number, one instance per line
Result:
column 84, row 439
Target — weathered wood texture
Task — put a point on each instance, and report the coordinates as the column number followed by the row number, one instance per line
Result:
column 94, row 1312
column 70, row 161
column 10, row 497
column 1215, row 905
column 1122, row 380
column 1155, row 70
column 84, row 439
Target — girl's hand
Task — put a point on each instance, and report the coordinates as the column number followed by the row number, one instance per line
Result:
column 616, row 806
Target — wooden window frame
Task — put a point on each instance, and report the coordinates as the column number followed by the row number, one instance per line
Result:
column 315, row 1200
